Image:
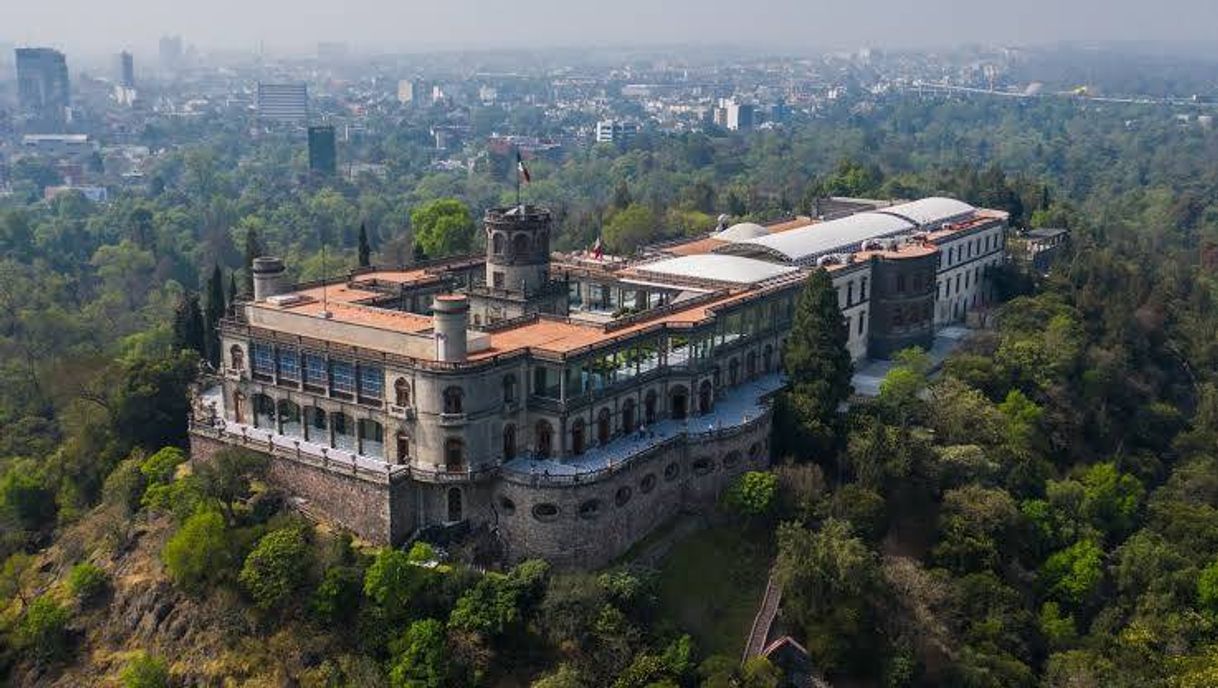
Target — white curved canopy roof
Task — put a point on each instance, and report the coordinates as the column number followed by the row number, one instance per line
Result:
column 742, row 231
column 934, row 210
column 723, row 268
column 804, row 244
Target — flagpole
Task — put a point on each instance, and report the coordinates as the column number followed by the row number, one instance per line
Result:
column 518, row 164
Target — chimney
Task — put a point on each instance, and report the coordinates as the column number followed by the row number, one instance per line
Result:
column 270, row 278
column 450, row 320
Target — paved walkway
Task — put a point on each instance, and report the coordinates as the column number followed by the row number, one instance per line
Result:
column 760, row 631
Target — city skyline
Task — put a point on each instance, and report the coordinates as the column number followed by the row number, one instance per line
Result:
column 777, row 25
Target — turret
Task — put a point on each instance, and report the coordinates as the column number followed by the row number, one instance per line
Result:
column 517, row 248
column 270, row 278
column 449, row 322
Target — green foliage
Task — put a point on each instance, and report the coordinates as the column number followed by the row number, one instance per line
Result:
column 144, row 671
column 392, row 582
column 631, row 227
column 159, row 468
column 338, row 596
column 1058, row 628
column 87, row 581
column 226, row 477
column 420, row 659
column 1074, row 574
column 275, row 569
column 43, row 631
column 25, row 498
column 497, row 604
column 442, row 227
column 198, row 554
column 125, row 485
column 753, row 494
column 1207, row 587
column 818, row 364
column 975, row 524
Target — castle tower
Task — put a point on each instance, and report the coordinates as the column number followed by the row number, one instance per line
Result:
column 517, row 249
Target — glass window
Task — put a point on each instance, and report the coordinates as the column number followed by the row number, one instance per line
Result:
column 371, row 382
column 289, row 364
column 315, row 370
column 342, row 377
column 264, row 359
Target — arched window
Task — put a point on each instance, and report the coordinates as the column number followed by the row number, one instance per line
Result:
column 452, row 400
column 733, row 372
column 628, row 416
column 237, row 356
column 767, row 359
column 238, row 407
column 454, row 455
column 705, row 397
column 403, row 448
column 603, row 428
column 750, row 365
column 509, row 442
column 454, row 504
column 520, row 245
column 678, row 406
column 289, row 418
column 371, row 438
column 401, row 392
column 649, row 407
column 264, row 412
column 509, row 389
column 577, row 436
column 316, row 427
column 344, row 431
column 497, row 243
column 545, row 439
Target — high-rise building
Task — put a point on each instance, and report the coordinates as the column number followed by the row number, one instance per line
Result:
column 738, row 116
column 42, row 88
column 170, row 52
column 126, row 70
column 323, row 152
column 408, row 90
column 615, row 131
column 286, row 103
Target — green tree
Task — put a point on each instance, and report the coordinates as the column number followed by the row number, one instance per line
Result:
column 392, row 582
column 26, row 499
column 365, row 250
column 214, row 311
column 144, row 671
column 43, row 631
column 1074, row 574
column 188, row 328
column 975, row 525
column 275, row 570
column 442, row 227
column 87, row 582
column 630, row 228
column 338, row 596
column 199, row 552
column 753, row 493
column 226, row 477
column 420, row 659
column 1207, row 586
column 160, row 468
column 818, row 364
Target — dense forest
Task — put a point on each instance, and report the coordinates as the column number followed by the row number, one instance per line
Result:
column 1043, row 511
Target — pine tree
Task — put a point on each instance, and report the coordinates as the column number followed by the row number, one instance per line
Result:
column 253, row 250
column 232, row 288
column 188, row 324
column 818, row 364
column 365, row 251
column 214, row 311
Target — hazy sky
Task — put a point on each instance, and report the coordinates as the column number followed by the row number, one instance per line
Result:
column 96, row 26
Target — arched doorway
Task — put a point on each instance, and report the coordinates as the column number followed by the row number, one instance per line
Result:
column 509, row 442
column 545, row 439
column 289, row 418
column 454, row 504
column 649, row 407
column 403, row 447
column 454, row 455
column 238, row 407
column 577, row 436
column 706, row 397
column 767, row 359
column 678, row 404
column 628, row 416
column 316, row 428
column 264, row 412
column 344, row 431
column 603, row 428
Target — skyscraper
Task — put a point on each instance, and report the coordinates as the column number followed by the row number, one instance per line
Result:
column 286, row 103
column 323, row 153
column 42, row 88
column 171, row 52
column 126, row 70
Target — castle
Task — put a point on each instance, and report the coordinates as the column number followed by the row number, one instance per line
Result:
column 566, row 403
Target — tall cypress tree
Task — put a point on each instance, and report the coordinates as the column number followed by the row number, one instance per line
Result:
column 188, row 324
column 818, row 365
column 253, row 249
column 232, row 288
column 214, row 311
column 365, row 251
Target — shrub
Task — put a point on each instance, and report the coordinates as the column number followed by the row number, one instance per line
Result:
column 753, row 494
column 159, row 468
column 44, row 630
column 144, row 671
column 198, row 553
column 276, row 567
column 125, row 486
column 87, row 582
column 338, row 596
